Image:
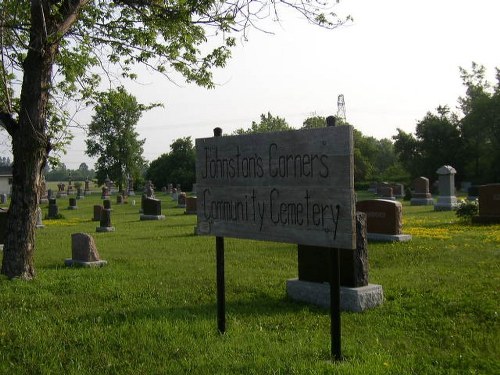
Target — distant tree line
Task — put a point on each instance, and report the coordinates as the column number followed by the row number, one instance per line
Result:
column 375, row 160
column 469, row 141
column 61, row 173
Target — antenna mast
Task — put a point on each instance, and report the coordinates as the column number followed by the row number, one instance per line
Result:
column 341, row 109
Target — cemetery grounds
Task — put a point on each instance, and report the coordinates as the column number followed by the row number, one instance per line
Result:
column 152, row 309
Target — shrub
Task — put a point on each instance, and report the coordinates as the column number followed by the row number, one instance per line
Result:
column 466, row 209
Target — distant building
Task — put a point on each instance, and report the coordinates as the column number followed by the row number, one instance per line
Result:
column 5, row 180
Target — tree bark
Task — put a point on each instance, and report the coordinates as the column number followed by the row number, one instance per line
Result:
column 30, row 146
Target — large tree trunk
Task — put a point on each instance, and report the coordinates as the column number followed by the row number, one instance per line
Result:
column 30, row 145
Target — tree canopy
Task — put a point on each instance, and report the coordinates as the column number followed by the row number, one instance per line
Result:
column 176, row 167
column 469, row 141
column 267, row 123
column 112, row 137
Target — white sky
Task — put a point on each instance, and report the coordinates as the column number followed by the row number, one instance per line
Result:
column 394, row 63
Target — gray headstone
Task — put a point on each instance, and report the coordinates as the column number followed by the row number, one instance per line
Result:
column 446, row 200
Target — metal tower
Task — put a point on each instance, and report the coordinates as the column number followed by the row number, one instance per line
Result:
column 341, row 109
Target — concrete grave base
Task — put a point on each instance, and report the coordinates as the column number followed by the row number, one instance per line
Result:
column 351, row 299
column 446, row 203
column 79, row 263
column 378, row 237
column 152, row 217
column 105, row 229
column 422, row 201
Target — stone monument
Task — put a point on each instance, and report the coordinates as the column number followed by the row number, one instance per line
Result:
column 190, row 205
column 312, row 285
column 84, row 252
column 105, row 220
column 72, row 204
column 489, row 204
column 421, row 195
column 53, row 209
column 151, row 209
column 446, row 200
column 384, row 220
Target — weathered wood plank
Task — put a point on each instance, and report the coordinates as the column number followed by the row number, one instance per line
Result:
column 278, row 186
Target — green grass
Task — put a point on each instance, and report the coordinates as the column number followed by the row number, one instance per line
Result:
column 152, row 309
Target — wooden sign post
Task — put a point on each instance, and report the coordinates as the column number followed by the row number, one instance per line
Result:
column 293, row 186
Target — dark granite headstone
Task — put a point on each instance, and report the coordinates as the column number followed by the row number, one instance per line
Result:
column 106, row 204
column 314, row 261
column 489, row 204
column 97, row 212
column 105, row 221
column 53, row 209
column 191, row 205
column 72, row 204
column 151, row 206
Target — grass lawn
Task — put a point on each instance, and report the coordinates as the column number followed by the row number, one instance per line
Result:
column 152, row 309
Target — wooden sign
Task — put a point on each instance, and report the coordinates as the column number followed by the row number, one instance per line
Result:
column 294, row 186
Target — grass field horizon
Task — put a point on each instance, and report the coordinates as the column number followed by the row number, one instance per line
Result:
column 152, row 309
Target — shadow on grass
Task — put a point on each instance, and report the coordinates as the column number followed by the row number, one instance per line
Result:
column 262, row 305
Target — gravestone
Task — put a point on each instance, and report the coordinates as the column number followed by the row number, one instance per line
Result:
column 72, row 204
column 312, row 286
column 190, row 206
column 151, row 209
column 174, row 195
column 386, row 192
column 44, row 199
column 104, row 192
column 84, row 252
column 421, row 195
column 384, row 220
column 39, row 215
column 3, row 198
column 105, row 221
column 465, row 185
column 130, row 186
column 473, row 192
column 97, row 212
column 106, row 204
column 149, row 191
column 373, row 188
column 70, row 188
column 53, row 209
column 86, row 190
column 170, row 188
column 398, row 190
column 181, row 200
column 446, row 200
column 489, row 204
column 61, row 190
column 79, row 193
column 119, row 198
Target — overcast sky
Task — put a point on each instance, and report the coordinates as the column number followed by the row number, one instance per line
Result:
column 394, row 63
